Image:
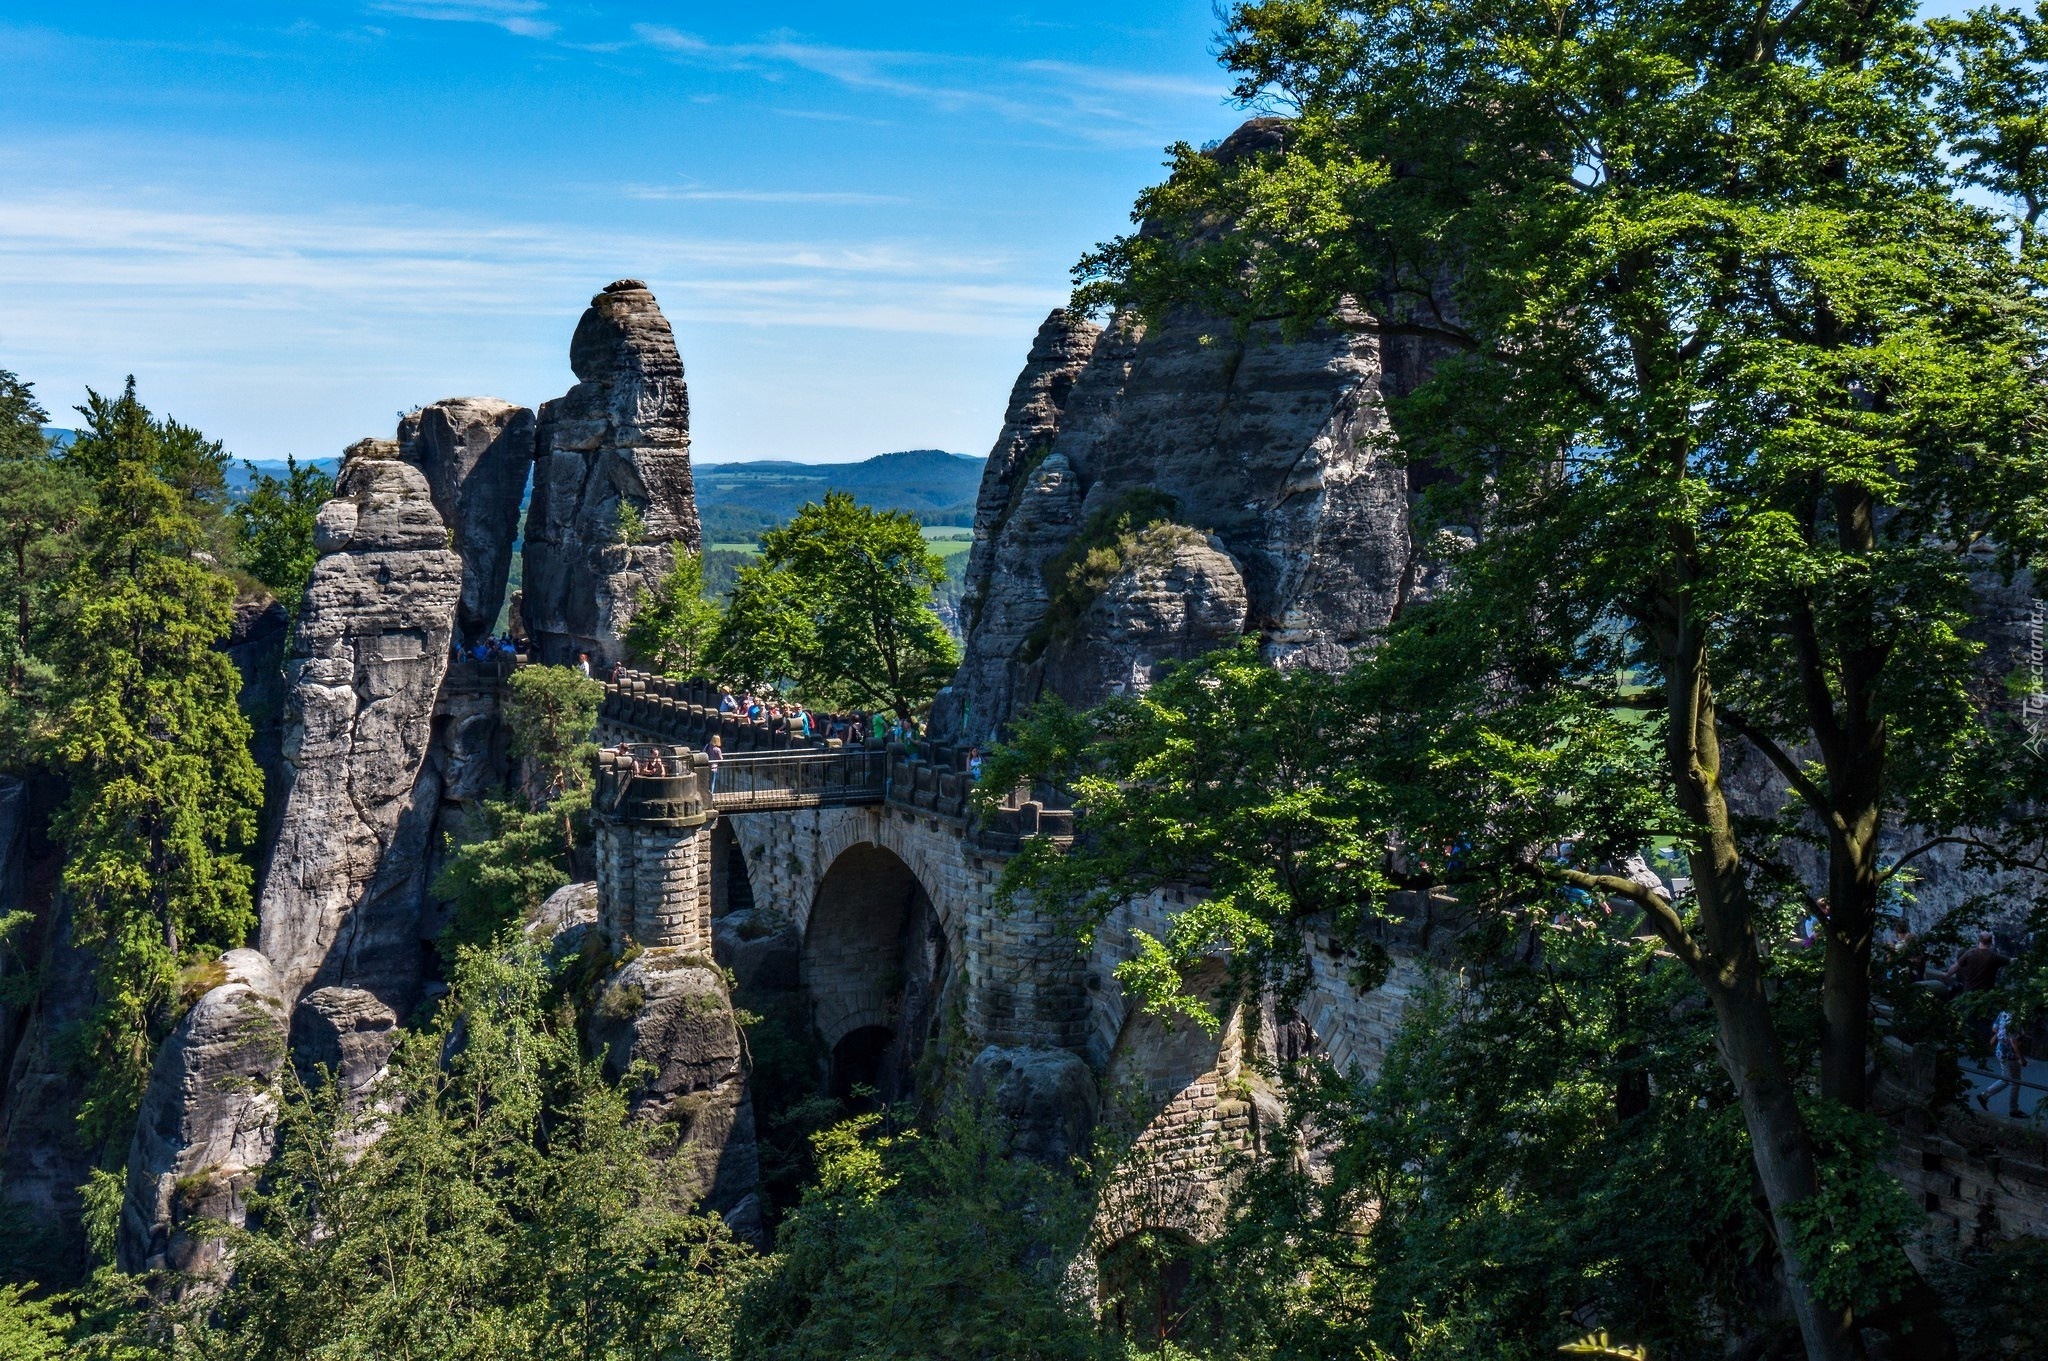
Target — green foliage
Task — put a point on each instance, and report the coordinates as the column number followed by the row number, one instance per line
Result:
column 629, row 526
column 42, row 502
column 840, row 608
column 141, row 715
column 673, row 626
column 1732, row 385
column 1543, row 1144
column 1226, row 772
column 31, row 1329
column 498, row 879
column 551, row 712
column 1991, row 95
column 1130, row 528
column 525, row 847
column 274, row 524
column 507, row 1207
column 100, row 1216
column 930, row 1245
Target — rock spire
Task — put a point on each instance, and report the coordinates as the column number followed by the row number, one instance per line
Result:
column 612, row 494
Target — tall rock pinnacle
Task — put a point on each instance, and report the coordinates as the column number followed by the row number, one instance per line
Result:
column 612, row 493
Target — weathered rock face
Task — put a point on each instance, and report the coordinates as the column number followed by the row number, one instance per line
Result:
column 207, row 1121
column 617, row 444
column 1273, row 446
column 1048, row 1096
column 671, row 1009
column 476, row 453
column 1177, row 596
column 348, row 1034
column 44, row 1162
column 342, row 897
column 1028, row 509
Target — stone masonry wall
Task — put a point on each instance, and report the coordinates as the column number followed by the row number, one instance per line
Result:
column 654, row 885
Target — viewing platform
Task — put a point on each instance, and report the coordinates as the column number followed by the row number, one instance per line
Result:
column 769, row 767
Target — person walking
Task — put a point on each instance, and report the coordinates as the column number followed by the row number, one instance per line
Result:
column 583, row 662
column 714, row 753
column 1976, row 970
column 881, row 727
column 2005, row 1052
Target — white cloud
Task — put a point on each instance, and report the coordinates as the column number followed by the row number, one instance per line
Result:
column 514, row 16
column 67, row 247
column 1096, row 104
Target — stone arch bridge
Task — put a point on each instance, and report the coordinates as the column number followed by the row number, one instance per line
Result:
column 879, row 866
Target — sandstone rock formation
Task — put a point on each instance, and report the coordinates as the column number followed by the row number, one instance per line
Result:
column 476, row 453
column 44, row 1161
column 342, row 895
column 256, row 643
column 1273, row 446
column 613, row 450
column 346, row 1035
column 207, row 1121
column 565, row 915
column 1176, row 596
column 670, row 1008
column 1048, row 1096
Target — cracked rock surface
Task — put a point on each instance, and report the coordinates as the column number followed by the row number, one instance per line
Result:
column 341, row 900
column 208, row 1119
column 613, row 495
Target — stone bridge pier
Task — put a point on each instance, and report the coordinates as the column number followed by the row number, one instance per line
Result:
column 653, row 816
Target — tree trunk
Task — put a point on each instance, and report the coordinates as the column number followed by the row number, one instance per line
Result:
column 1728, row 966
column 1782, row 1152
column 1845, row 983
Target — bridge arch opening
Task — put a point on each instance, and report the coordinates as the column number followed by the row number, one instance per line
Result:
column 874, row 962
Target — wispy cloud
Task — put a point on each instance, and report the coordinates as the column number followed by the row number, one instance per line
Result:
column 693, row 194
column 332, row 265
column 1097, row 104
column 514, row 16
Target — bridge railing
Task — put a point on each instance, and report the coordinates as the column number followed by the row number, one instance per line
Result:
column 765, row 781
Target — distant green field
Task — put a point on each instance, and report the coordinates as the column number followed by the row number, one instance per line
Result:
column 947, row 541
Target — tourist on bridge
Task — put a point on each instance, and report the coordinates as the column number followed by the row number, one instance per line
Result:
column 726, row 703
column 2005, row 1052
column 714, row 753
column 583, row 662
column 881, row 728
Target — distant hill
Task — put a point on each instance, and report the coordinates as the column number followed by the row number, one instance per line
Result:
column 240, row 478
column 736, row 501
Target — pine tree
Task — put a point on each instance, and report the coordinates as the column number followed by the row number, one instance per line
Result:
column 144, row 721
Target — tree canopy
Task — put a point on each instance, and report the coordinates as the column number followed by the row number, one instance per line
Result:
column 840, row 607
column 1734, row 390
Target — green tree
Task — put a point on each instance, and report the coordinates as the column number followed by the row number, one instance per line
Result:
column 552, row 714
column 526, row 846
column 498, row 1202
column 274, row 527
column 42, row 501
column 143, row 720
column 121, row 430
column 674, row 625
column 1993, row 99
column 1541, row 1144
column 1731, row 381
column 840, row 607
column 497, row 879
column 924, row 1245
column 31, row 1329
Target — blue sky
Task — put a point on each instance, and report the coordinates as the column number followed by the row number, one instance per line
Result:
column 291, row 221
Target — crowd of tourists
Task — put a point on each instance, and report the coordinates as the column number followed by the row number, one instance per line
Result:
column 492, row 647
